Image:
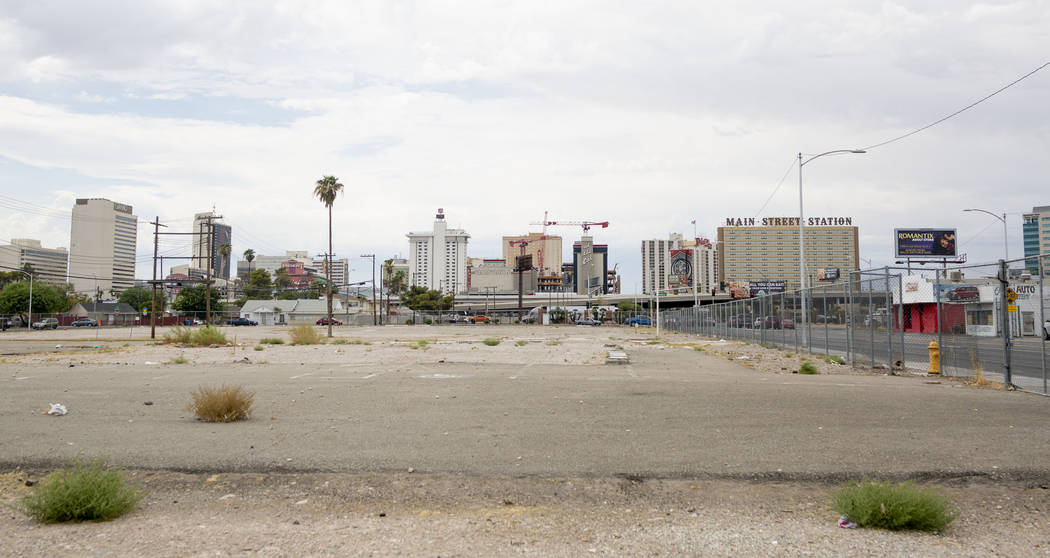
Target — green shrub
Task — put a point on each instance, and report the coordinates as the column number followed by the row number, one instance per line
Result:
column 553, row 343
column 340, row 341
column 491, row 341
column 271, row 341
column 222, row 403
column 179, row 360
column 520, row 343
column 305, row 335
column 82, row 492
column 903, row 506
column 259, row 347
column 767, row 345
column 834, row 360
column 808, row 368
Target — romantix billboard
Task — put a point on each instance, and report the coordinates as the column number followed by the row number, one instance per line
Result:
column 925, row 242
column 681, row 269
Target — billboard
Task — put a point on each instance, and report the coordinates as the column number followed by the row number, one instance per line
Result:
column 760, row 288
column 919, row 243
column 828, row 274
column 681, row 275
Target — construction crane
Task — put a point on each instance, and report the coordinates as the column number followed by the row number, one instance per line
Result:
column 585, row 224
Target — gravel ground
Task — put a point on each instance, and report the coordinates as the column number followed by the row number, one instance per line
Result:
column 362, row 513
column 449, row 515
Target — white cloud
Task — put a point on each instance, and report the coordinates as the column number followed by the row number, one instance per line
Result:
column 644, row 115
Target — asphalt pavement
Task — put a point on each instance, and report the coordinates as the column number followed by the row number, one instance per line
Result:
column 672, row 412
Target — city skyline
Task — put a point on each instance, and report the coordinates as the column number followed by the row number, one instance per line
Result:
column 649, row 118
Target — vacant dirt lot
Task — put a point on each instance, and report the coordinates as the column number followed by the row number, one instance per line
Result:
column 427, row 441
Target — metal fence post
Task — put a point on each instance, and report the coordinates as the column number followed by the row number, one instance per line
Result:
column 871, row 330
column 900, row 317
column 889, row 330
column 1043, row 318
column 940, row 334
column 851, row 351
column 824, row 305
column 1004, row 283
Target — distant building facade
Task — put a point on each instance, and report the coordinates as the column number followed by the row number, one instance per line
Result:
column 767, row 249
column 49, row 265
column 545, row 251
column 590, row 267
column 677, row 265
column 438, row 258
column 209, row 237
column 102, row 244
column 1036, row 229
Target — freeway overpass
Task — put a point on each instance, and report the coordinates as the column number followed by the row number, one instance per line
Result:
column 494, row 302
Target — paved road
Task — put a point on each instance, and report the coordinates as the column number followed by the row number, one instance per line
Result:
column 673, row 412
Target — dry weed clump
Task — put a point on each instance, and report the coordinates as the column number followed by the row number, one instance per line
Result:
column 305, row 335
column 202, row 337
column 223, row 403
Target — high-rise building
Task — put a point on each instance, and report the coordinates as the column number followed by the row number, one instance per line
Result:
column 209, row 237
column 545, row 251
column 340, row 270
column 102, row 247
column 677, row 264
column 49, row 265
column 590, row 267
column 766, row 249
column 438, row 259
column 1036, row 229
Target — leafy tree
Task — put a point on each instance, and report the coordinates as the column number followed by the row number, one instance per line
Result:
column 9, row 277
column 281, row 280
column 421, row 298
column 47, row 299
column 394, row 282
column 139, row 298
column 259, row 285
column 192, row 299
column 627, row 306
column 326, row 190
column 311, row 294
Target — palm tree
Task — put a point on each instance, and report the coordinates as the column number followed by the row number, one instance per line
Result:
column 249, row 256
column 326, row 190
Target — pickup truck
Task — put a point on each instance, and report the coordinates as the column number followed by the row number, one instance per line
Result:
column 639, row 321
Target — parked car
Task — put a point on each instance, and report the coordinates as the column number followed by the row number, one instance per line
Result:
column 639, row 321
column 787, row 323
column 84, row 322
column 46, row 323
column 242, row 322
column 1046, row 330
column 478, row 319
column 740, row 320
column 965, row 293
column 588, row 322
column 323, row 321
column 769, row 322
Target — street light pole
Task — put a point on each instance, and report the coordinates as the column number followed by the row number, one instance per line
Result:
column 373, row 257
column 802, row 233
column 1006, row 242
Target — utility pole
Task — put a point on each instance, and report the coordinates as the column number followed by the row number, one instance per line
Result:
column 375, row 321
column 153, row 300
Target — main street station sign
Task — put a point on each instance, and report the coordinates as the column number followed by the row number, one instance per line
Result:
column 788, row 222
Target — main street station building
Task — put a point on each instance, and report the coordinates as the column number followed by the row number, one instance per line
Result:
column 766, row 249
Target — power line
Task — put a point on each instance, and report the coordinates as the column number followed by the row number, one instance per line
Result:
column 779, row 184
column 958, row 112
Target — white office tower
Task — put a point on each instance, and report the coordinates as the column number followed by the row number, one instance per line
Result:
column 48, row 264
column 678, row 265
column 102, row 247
column 438, row 259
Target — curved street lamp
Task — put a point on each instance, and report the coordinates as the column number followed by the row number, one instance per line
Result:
column 1006, row 243
column 801, row 232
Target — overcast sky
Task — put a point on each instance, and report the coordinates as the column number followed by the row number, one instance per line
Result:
column 644, row 114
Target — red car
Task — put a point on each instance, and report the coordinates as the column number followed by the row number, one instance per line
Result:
column 324, row 321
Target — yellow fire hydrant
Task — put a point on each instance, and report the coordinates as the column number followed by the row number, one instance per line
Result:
column 935, row 358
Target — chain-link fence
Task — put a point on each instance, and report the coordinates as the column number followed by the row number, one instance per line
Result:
column 987, row 323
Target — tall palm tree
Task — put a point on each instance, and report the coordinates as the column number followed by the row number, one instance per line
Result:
column 249, row 256
column 326, row 189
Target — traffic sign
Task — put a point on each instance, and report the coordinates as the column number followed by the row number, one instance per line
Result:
column 1011, row 295
column 1011, row 308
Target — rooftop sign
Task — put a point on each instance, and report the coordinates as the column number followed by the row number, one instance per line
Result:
column 788, row 222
